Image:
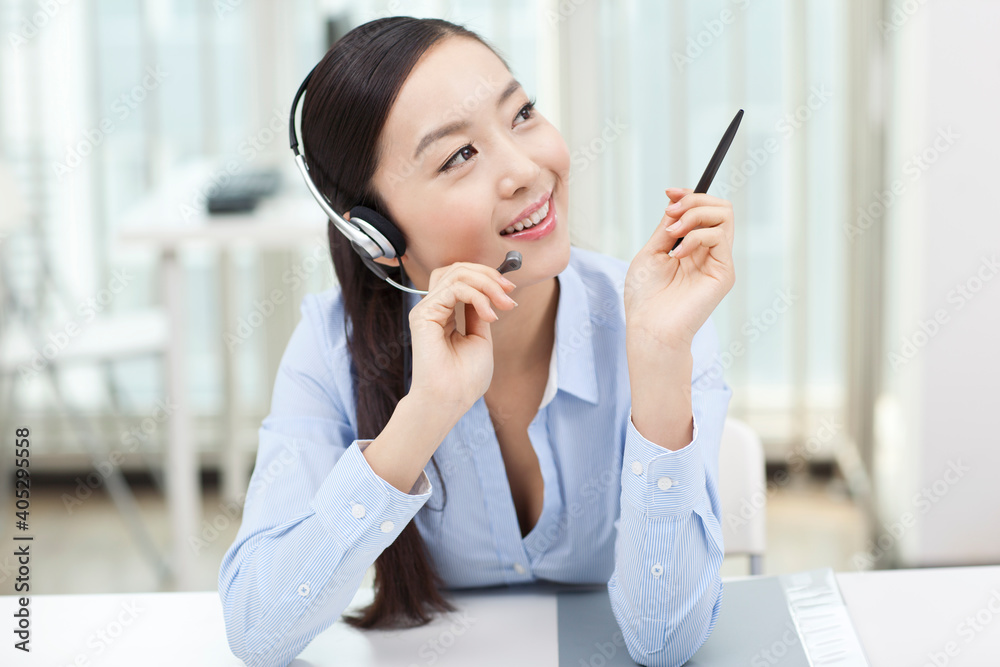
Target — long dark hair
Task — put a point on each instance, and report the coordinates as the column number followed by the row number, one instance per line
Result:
column 345, row 108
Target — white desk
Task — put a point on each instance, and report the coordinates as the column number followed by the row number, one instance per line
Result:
column 174, row 217
column 901, row 616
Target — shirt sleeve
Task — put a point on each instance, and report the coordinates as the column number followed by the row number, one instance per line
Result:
column 316, row 515
column 666, row 587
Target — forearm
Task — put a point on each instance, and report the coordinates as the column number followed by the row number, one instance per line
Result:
column 666, row 588
column 308, row 535
column 413, row 433
column 660, row 382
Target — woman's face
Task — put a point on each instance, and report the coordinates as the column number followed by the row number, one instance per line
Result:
column 462, row 158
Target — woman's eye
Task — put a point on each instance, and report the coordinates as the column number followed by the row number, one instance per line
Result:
column 466, row 152
column 526, row 112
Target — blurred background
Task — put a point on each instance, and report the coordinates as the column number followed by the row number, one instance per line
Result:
column 141, row 331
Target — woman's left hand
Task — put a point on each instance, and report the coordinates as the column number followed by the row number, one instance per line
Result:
column 668, row 298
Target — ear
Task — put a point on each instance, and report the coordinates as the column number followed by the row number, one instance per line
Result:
column 391, row 263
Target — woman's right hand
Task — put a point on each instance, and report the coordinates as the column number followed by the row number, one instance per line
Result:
column 450, row 368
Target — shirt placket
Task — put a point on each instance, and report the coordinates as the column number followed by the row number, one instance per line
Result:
column 513, row 559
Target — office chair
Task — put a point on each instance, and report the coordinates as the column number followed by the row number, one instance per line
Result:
column 743, row 493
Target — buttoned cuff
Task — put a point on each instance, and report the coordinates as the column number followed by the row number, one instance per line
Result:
column 362, row 510
column 659, row 481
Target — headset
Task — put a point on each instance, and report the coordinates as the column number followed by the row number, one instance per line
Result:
column 371, row 234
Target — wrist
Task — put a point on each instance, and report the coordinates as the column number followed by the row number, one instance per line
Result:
column 642, row 342
column 432, row 409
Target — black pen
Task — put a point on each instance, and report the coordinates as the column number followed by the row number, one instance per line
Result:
column 716, row 162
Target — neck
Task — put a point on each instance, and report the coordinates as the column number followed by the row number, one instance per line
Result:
column 523, row 337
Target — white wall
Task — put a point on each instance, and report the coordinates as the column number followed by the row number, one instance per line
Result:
column 941, row 412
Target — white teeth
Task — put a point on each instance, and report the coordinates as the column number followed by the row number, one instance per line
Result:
column 530, row 221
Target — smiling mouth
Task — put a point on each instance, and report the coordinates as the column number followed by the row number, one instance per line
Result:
column 530, row 221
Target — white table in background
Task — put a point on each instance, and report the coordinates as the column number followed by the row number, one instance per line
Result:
column 901, row 616
column 170, row 219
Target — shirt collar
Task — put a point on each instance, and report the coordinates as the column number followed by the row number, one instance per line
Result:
column 577, row 372
column 573, row 353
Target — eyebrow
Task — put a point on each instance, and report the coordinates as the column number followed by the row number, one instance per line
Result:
column 452, row 128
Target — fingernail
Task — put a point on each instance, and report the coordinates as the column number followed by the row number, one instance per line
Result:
column 674, row 227
column 507, row 282
column 673, row 207
column 512, row 301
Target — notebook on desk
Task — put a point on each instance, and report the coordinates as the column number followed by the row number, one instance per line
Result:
column 793, row 620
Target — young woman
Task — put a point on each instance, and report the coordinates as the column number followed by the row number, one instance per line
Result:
column 571, row 437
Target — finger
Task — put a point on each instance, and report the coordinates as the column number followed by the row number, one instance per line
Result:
column 450, row 271
column 448, row 297
column 486, row 282
column 711, row 237
column 699, row 217
column 676, row 193
column 692, row 200
column 469, row 286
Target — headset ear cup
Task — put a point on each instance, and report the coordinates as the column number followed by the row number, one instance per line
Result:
column 383, row 226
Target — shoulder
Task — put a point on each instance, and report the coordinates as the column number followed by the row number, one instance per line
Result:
column 603, row 280
column 597, row 269
column 323, row 318
column 317, row 352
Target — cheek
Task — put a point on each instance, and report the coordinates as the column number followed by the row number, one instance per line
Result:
column 456, row 220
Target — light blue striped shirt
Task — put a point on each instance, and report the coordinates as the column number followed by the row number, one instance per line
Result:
column 617, row 508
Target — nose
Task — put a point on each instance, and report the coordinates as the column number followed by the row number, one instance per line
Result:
column 518, row 168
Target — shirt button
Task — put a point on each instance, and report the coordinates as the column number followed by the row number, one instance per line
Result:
column 358, row 511
column 519, row 568
column 657, row 570
column 387, row 526
column 636, row 467
column 304, row 590
column 664, row 483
